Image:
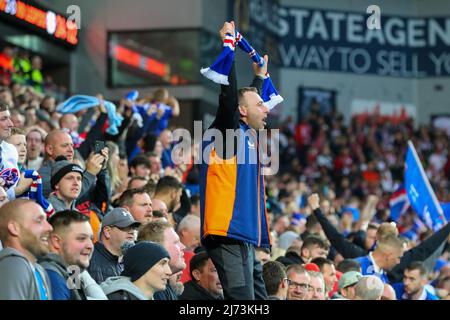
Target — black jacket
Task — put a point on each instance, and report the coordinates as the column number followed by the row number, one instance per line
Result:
column 103, row 264
column 349, row 250
column 290, row 258
column 193, row 291
column 167, row 294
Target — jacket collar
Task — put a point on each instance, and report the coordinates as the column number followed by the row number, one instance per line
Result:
column 100, row 248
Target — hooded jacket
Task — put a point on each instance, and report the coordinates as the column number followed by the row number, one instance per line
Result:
column 17, row 277
column 121, row 288
column 57, row 272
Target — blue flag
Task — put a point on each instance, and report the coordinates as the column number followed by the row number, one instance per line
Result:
column 446, row 209
column 419, row 191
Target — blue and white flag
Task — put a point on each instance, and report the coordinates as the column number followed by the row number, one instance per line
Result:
column 419, row 191
column 398, row 203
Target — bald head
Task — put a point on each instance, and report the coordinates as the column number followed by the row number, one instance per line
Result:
column 59, row 143
column 69, row 121
column 369, row 288
column 388, row 293
column 12, row 211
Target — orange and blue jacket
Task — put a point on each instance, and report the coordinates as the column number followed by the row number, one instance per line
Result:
column 232, row 191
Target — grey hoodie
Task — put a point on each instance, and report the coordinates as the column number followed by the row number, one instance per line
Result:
column 17, row 277
column 59, row 204
column 114, row 284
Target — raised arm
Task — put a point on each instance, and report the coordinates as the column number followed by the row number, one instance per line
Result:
column 342, row 245
column 228, row 100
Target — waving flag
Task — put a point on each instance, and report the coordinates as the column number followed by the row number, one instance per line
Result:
column 419, row 191
column 446, row 208
column 398, row 203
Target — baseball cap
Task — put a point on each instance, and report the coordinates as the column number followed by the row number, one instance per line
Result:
column 348, row 279
column 119, row 217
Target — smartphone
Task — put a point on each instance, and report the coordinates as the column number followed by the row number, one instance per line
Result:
column 99, row 145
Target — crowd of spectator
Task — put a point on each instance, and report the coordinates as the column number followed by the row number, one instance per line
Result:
column 123, row 221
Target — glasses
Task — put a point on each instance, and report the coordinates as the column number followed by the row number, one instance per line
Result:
column 301, row 286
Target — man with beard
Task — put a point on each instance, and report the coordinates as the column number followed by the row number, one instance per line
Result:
column 71, row 249
column 415, row 277
column 138, row 203
column 118, row 227
column 205, row 283
column 169, row 191
column 163, row 233
column 24, row 232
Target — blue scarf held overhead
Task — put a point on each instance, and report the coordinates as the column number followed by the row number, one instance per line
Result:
column 81, row 102
column 269, row 94
column 220, row 69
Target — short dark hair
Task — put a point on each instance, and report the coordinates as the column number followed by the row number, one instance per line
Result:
column 417, row 265
column 320, row 262
column 4, row 106
column 167, row 184
column 243, row 90
column 273, row 274
column 313, row 240
column 195, row 199
column 140, row 160
column 347, row 265
column 198, row 262
column 63, row 219
column 311, row 222
column 126, row 199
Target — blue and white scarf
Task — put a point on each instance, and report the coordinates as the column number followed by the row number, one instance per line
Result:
column 81, row 102
column 35, row 192
column 219, row 70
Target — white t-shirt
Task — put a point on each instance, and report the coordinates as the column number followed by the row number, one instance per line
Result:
column 9, row 170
